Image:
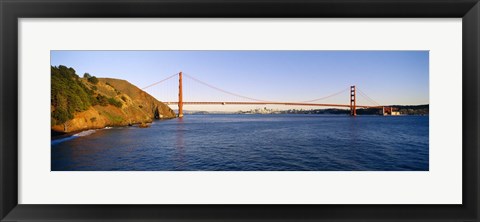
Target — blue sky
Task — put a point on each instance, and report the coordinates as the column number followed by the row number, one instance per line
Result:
column 388, row 77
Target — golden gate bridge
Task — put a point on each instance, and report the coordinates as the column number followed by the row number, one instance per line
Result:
column 352, row 105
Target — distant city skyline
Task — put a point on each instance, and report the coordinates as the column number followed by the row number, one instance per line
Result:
column 388, row 77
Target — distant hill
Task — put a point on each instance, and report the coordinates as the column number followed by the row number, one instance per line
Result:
column 90, row 102
column 403, row 109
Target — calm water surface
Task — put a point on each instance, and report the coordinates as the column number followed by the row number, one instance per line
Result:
column 252, row 143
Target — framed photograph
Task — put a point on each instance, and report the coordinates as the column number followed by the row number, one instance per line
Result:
column 224, row 110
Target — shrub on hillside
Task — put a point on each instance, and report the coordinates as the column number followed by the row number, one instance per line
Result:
column 114, row 102
column 93, row 80
column 102, row 100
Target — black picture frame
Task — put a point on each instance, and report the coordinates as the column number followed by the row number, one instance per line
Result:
column 11, row 11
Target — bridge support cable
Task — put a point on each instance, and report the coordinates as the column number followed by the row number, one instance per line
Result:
column 326, row 97
column 156, row 83
column 377, row 105
column 368, row 97
column 222, row 90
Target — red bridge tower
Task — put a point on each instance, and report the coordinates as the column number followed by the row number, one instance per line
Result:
column 180, row 96
column 353, row 101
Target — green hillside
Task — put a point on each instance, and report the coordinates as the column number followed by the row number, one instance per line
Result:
column 79, row 103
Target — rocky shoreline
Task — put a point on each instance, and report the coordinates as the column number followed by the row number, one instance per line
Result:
column 55, row 135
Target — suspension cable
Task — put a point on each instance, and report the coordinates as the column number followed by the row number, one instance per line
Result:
column 163, row 80
column 368, row 99
column 366, row 96
column 221, row 90
column 326, row 97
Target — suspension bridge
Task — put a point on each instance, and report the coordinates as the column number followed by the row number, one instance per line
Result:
column 352, row 101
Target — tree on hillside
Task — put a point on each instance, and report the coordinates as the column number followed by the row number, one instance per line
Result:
column 68, row 94
column 93, row 80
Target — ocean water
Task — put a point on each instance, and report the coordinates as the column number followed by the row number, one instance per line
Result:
column 252, row 143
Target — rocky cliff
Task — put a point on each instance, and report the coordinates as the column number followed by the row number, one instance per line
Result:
column 92, row 103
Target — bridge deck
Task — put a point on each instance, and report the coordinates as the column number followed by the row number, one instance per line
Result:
column 271, row 103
